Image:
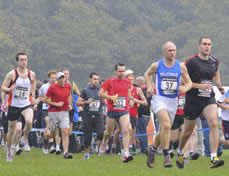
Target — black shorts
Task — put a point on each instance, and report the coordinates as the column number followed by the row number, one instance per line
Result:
column 116, row 115
column 194, row 105
column 71, row 115
column 5, row 122
column 177, row 122
column 21, row 119
column 14, row 112
column 225, row 125
column 133, row 122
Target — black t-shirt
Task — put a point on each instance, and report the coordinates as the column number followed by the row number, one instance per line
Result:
column 201, row 71
column 90, row 92
column 145, row 110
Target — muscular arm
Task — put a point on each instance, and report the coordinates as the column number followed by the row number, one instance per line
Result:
column 186, row 79
column 217, row 79
column 142, row 100
column 103, row 94
column 33, row 84
column 4, row 98
column 6, row 83
column 149, row 76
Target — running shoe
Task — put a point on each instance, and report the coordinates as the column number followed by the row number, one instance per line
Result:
column 216, row 162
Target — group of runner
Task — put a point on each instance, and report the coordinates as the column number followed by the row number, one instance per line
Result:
column 166, row 79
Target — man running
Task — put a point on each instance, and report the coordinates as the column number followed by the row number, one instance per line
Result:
column 20, row 84
column 169, row 72
column 203, row 69
column 117, row 92
column 45, row 118
column 138, row 99
column 58, row 98
column 92, row 112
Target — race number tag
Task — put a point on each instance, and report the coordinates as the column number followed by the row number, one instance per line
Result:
column 21, row 93
column 181, row 102
column 205, row 93
column 94, row 106
column 120, row 103
column 169, row 85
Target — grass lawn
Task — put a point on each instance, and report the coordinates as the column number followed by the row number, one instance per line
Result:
column 35, row 163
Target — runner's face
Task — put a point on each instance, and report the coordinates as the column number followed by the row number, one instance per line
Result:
column 170, row 52
column 52, row 78
column 94, row 80
column 131, row 78
column 120, row 72
column 205, row 47
column 66, row 75
column 61, row 81
column 22, row 61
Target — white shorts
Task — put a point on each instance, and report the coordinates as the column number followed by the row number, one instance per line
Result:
column 59, row 119
column 160, row 102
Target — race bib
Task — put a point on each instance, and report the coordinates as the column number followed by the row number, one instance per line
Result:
column 205, row 93
column 169, row 85
column 120, row 103
column 94, row 106
column 21, row 93
column 181, row 102
column 104, row 109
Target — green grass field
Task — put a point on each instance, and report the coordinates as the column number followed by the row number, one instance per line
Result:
column 35, row 163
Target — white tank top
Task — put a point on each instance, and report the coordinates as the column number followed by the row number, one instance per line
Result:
column 20, row 96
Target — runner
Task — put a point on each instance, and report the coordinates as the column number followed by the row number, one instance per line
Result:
column 203, row 69
column 45, row 118
column 92, row 110
column 169, row 72
column 138, row 98
column 58, row 98
column 20, row 84
column 117, row 92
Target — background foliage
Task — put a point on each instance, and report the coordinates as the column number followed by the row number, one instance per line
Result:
column 93, row 35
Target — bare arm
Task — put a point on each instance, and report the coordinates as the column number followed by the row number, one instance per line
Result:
column 142, row 100
column 223, row 106
column 149, row 76
column 75, row 89
column 33, row 84
column 6, row 83
column 186, row 80
column 103, row 94
column 218, row 82
column 82, row 102
column 48, row 101
column 226, row 100
column 4, row 98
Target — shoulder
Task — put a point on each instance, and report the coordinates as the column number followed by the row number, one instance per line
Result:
column 67, row 85
column 213, row 59
column 154, row 65
column 139, row 90
column 191, row 59
column 32, row 74
column 11, row 74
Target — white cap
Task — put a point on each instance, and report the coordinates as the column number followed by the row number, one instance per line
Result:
column 59, row 74
column 129, row 72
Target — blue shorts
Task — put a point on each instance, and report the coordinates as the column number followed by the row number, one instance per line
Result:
column 225, row 125
column 116, row 115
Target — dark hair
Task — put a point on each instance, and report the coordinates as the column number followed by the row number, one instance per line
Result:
column 19, row 54
column 201, row 38
column 119, row 64
column 92, row 74
column 51, row 72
